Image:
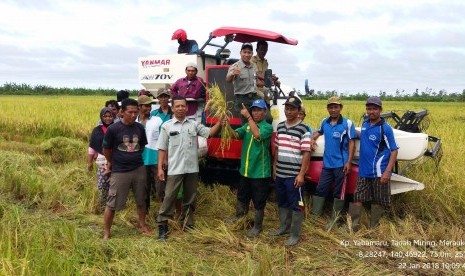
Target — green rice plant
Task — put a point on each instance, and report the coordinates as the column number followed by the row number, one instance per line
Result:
column 48, row 223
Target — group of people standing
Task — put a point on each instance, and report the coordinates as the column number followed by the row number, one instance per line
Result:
column 133, row 147
column 140, row 145
column 292, row 151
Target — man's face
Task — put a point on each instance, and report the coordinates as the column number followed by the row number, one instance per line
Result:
column 179, row 109
column 246, row 55
column 130, row 114
column 261, row 51
column 291, row 112
column 114, row 109
column 145, row 109
column 334, row 110
column 258, row 114
column 373, row 112
column 191, row 72
column 163, row 100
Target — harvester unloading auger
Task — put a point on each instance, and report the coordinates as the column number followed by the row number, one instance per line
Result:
column 161, row 71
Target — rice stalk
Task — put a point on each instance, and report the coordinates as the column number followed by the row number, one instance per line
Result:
column 218, row 108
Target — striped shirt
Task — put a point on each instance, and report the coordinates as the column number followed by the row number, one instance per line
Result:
column 291, row 142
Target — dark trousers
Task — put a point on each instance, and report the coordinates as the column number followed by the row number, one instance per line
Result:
column 287, row 195
column 255, row 189
column 327, row 178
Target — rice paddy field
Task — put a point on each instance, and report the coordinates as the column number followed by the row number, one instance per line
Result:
column 50, row 223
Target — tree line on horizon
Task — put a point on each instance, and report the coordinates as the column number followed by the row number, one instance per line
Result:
column 428, row 95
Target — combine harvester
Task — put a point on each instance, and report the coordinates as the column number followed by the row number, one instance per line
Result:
column 160, row 71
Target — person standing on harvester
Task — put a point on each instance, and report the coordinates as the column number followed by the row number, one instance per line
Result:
column 378, row 153
column 339, row 134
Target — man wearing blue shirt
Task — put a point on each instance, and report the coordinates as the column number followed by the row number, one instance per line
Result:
column 339, row 134
column 378, row 153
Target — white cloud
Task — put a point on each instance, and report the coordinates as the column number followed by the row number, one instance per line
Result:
column 343, row 45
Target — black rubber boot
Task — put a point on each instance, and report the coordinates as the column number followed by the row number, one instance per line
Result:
column 377, row 211
column 296, row 227
column 318, row 204
column 336, row 211
column 162, row 232
column 355, row 212
column 285, row 216
column 257, row 224
column 241, row 210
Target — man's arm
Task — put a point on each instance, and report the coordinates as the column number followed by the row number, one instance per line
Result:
column 300, row 179
column 253, row 125
column 107, row 153
column 275, row 161
column 387, row 173
column 216, row 127
column 233, row 72
column 348, row 165
column 313, row 139
column 162, row 157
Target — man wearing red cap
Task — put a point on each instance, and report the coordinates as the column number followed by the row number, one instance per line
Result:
column 186, row 46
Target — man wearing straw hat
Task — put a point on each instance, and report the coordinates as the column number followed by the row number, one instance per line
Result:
column 339, row 134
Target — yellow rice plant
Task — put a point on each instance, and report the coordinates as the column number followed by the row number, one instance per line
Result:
column 218, row 108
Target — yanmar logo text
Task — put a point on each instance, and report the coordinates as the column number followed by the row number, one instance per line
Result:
column 155, row 62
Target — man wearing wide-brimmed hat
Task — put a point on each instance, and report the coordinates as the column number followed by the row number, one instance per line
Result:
column 339, row 134
column 164, row 111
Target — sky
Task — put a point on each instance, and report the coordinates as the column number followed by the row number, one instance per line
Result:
column 346, row 46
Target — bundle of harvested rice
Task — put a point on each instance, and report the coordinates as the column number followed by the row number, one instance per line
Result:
column 218, row 108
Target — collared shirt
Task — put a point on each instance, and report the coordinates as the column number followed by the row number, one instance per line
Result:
column 261, row 65
column 244, row 83
column 337, row 138
column 375, row 148
column 152, row 131
column 255, row 156
column 159, row 113
column 179, row 138
column 291, row 142
column 189, row 89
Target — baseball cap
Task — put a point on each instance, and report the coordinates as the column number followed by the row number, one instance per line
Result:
column 144, row 99
column 334, row 100
column 293, row 101
column 260, row 103
column 374, row 100
column 247, row 45
column 162, row 91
